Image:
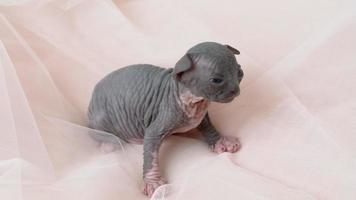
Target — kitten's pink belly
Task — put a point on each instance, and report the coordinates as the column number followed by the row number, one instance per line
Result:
column 195, row 115
column 182, row 129
column 189, row 126
column 193, row 123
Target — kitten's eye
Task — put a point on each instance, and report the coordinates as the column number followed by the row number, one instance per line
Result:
column 240, row 73
column 216, row 80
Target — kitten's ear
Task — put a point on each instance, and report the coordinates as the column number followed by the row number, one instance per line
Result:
column 184, row 64
column 232, row 49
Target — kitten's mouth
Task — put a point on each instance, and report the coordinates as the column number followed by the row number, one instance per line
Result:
column 229, row 98
column 226, row 100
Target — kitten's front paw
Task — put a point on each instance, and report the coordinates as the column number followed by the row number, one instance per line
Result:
column 150, row 186
column 226, row 144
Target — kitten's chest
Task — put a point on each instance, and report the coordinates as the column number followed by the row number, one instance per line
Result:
column 194, row 109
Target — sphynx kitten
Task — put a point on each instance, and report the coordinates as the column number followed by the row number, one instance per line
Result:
column 145, row 103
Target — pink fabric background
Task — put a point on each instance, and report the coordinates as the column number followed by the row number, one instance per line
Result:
column 295, row 117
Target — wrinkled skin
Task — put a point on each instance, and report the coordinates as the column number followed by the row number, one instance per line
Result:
column 145, row 103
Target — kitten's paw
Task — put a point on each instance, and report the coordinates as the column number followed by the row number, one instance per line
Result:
column 150, row 186
column 226, row 144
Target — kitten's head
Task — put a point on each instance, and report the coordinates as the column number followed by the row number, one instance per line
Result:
column 210, row 70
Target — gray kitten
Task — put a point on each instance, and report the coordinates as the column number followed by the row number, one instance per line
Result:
column 145, row 103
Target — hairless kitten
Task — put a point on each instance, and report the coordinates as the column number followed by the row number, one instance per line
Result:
column 145, row 103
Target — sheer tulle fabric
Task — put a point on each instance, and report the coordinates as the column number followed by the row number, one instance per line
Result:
column 295, row 116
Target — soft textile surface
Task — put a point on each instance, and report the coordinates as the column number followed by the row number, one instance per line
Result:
column 295, row 117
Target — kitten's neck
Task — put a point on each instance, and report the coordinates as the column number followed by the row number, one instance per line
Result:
column 187, row 101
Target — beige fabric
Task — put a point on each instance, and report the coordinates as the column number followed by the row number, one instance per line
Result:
column 295, row 116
